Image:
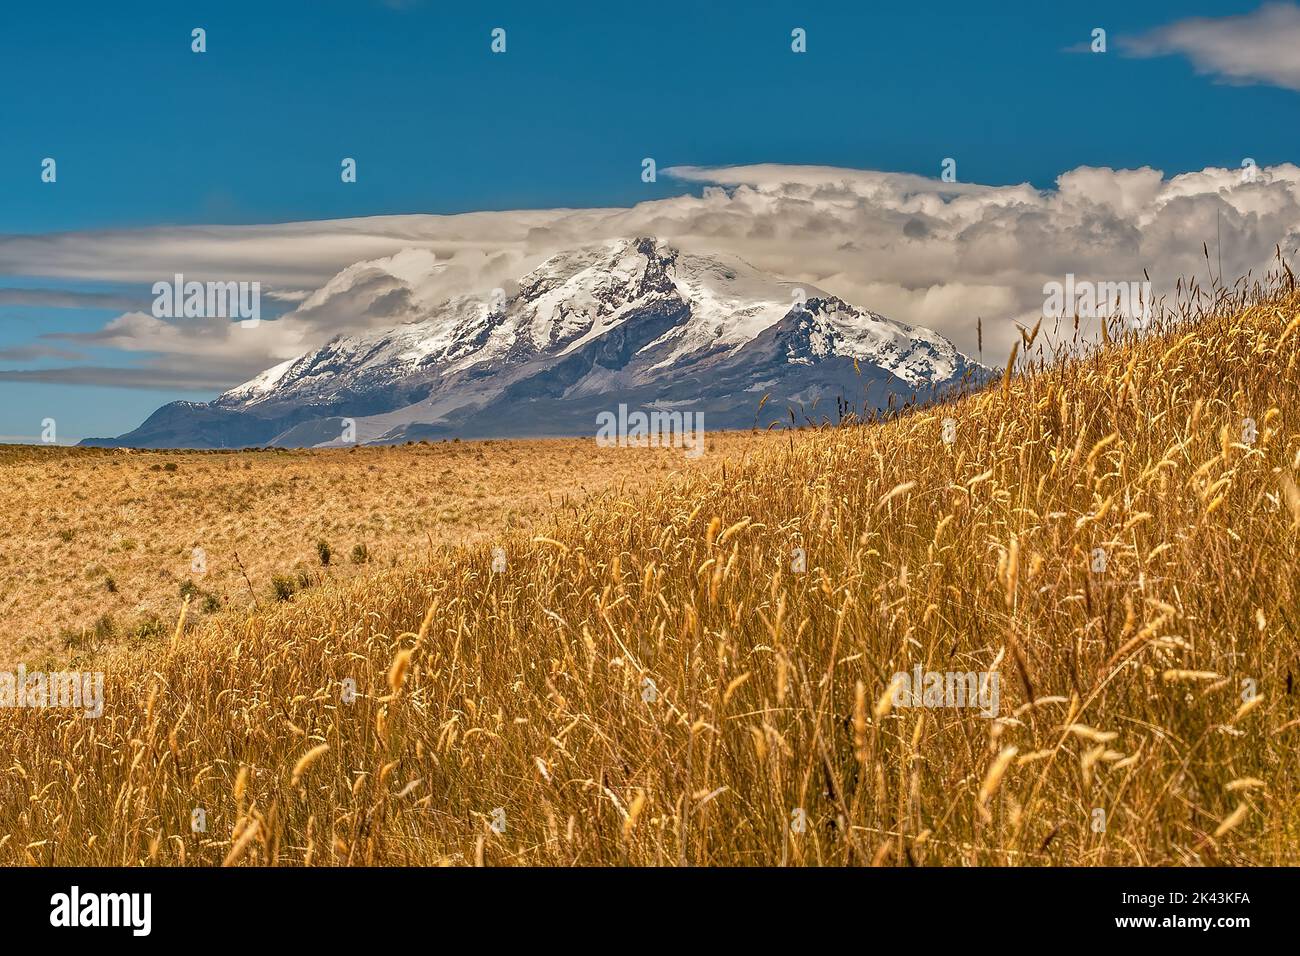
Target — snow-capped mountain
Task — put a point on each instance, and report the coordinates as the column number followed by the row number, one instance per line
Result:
column 631, row 322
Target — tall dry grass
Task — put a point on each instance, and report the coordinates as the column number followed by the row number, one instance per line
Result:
column 99, row 542
column 1122, row 690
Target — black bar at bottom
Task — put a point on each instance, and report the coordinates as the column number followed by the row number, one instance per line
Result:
column 349, row 907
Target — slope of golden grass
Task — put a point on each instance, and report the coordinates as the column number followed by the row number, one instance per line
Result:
column 650, row 681
column 100, row 544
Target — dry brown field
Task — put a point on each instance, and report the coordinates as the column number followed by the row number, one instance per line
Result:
column 99, row 548
column 653, row 677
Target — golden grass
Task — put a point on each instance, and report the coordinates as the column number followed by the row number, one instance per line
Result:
column 507, row 719
column 99, row 542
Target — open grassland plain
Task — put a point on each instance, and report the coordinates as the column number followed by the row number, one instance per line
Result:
column 103, row 546
column 657, row 678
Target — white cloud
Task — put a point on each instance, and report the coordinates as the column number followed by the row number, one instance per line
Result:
column 1258, row 47
column 925, row 252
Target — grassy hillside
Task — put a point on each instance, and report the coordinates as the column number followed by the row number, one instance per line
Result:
column 505, row 717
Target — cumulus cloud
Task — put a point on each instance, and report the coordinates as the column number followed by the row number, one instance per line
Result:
column 935, row 254
column 1258, row 47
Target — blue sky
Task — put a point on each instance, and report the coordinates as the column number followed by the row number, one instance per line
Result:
column 147, row 133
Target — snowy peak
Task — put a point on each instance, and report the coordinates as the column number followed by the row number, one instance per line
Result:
column 633, row 321
column 827, row 326
column 262, row 384
column 575, row 296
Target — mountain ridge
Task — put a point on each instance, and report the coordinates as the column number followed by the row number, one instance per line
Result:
column 631, row 321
